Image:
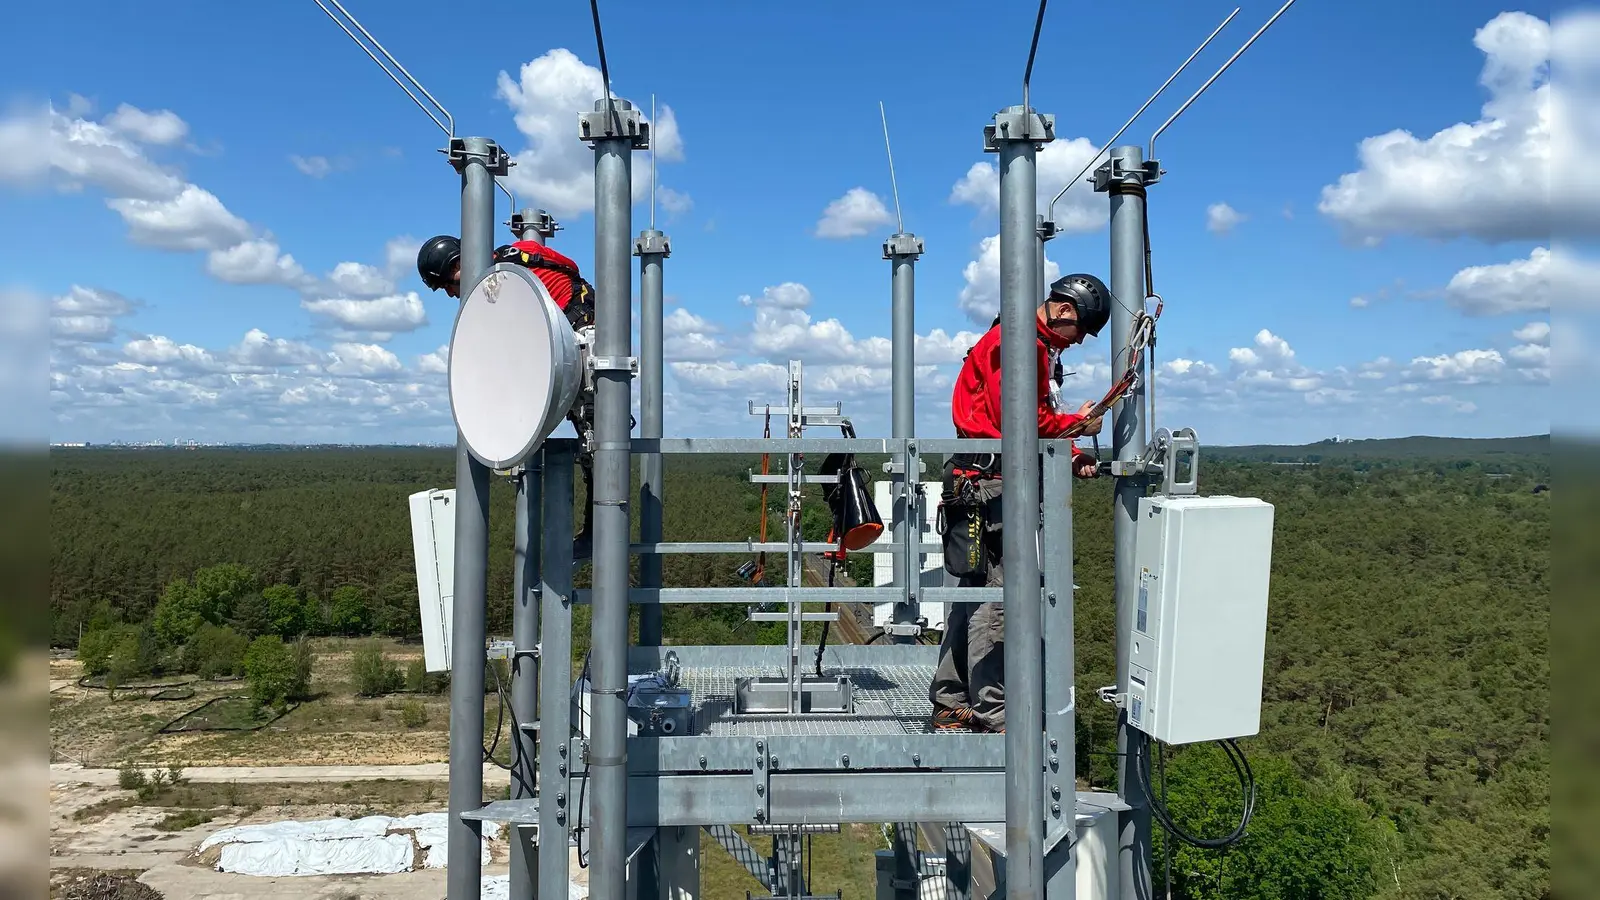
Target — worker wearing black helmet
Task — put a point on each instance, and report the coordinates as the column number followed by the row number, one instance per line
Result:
column 968, row 689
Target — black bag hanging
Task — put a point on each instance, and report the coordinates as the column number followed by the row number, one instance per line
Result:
column 856, row 522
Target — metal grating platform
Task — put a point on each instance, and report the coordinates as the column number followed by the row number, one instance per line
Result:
column 890, row 699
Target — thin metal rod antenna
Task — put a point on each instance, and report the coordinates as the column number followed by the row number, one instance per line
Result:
column 605, row 71
column 1240, row 52
column 507, row 191
column 449, row 130
column 652, row 164
column 900, row 222
column 1027, row 73
column 1050, row 213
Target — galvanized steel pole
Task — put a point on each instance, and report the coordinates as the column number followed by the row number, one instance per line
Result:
column 615, row 130
column 902, row 250
column 1124, row 177
column 477, row 160
column 1017, row 135
column 652, row 248
column 525, row 664
column 527, row 225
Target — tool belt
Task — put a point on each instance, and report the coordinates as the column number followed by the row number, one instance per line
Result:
column 968, row 519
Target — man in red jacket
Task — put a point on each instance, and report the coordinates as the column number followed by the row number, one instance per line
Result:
column 439, row 265
column 968, row 689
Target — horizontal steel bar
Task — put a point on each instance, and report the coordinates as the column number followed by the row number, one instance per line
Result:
column 784, row 479
column 757, row 596
column 826, row 753
column 729, row 547
column 785, row 829
column 784, row 617
column 762, row 409
column 774, row 658
column 829, row 445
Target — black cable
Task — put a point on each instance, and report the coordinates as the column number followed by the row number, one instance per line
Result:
column 1158, row 810
column 1166, row 846
column 833, row 563
column 519, row 753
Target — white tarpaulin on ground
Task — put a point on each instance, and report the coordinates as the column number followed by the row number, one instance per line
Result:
column 346, row 856
column 371, row 845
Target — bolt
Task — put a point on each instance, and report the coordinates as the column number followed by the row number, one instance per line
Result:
column 1055, row 809
column 561, row 749
column 760, row 745
column 844, row 760
column 1055, row 791
column 772, row 761
column 1052, row 743
column 561, row 799
column 761, row 762
column 1054, row 761
column 761, row 789
column 702, row 762
column 916, row 759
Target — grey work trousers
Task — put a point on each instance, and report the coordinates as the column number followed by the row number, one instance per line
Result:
column 972, row 657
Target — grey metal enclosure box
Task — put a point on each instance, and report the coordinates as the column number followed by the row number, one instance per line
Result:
column 1200, row 626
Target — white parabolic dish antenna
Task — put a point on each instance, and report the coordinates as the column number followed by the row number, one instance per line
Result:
column 514, row 366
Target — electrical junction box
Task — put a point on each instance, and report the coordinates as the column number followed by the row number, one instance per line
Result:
column 1200, row 623
column 883, row 563
column 433, row 543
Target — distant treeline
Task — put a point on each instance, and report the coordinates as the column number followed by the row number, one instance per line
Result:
column 1404, row 751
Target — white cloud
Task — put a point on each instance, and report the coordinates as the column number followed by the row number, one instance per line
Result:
column 40, row 146
column 1079, row 210
column 158, row 350
column 256, row 262
column 1534, row 333
column 400, row 256
column 364, row 361
column 688, row 337
column 556, row 171
column 1222, row 218
column 1487, row 179
column 980, row 295
column 161, row 127
column 257, row 348
column 381, row 318
column 435, row 363
column 82, row 328
column 87, row 315
column 360, row 280
column 1461, row 367
column 193, row 220
column 313, row 166
column 853, row 215
column 1464, row 407
column 1520, row 286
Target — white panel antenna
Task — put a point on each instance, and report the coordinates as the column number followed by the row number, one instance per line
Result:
column 932, row 563
column 515, row 367
column 433, row 544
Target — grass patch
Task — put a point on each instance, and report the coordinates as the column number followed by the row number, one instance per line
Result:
column 393, row 796
column 180, row 693
column 222, row 714
column 184, row 819
column 839, row 862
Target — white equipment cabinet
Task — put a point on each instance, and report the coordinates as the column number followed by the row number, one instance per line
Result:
column 1200, row 626
column 433, row 543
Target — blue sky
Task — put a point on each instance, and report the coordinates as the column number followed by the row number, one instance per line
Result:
column 157, row 194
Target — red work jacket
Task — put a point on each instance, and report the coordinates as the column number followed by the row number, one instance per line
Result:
column 975, row 403
column 556, row 271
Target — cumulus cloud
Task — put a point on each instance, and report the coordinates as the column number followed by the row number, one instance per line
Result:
column 1546, row 278
column 45, row 146
column 87, row 315
column 1461, row 367
column 435, row 363
column 379, row 318
column 688, row 337
column 193, row 220
column 556, row 171
column 1222, row 218
column 361, row 280
column 257, row 348
column 1079, row 210
column 256, row 262
column 853, row 215
column 1486, row 179
column 980, row 295
column 161, row 127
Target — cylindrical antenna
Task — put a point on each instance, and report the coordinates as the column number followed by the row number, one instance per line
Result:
column 652, row 164
column 900, row 223
column 605, row 71
column 450, row 129
column 1050, row 213
column 1027, row 73
column 1262, row 30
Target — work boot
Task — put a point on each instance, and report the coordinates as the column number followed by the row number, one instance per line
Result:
column 949, row 718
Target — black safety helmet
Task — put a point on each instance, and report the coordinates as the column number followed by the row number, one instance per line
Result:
column 436, row 259
column 1088, row 295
